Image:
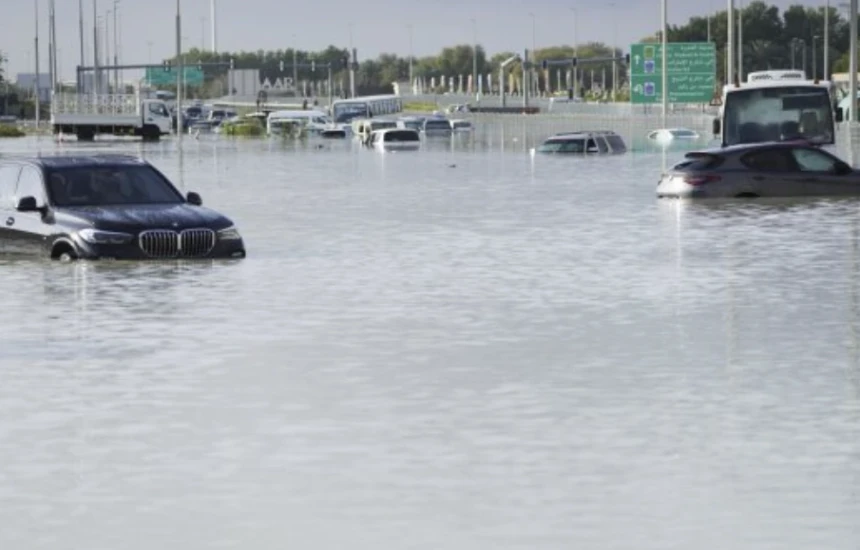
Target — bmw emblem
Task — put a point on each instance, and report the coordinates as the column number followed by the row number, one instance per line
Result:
column 175, row 224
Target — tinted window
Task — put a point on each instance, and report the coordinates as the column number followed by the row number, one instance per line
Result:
column 8, row 181
column 590, row 147
column 400, row 136
column 811, row 160
column 770, row 160
column 104, row 185
column 437, row 125
column 30, row 185
column 616, row 143
column 699, row 161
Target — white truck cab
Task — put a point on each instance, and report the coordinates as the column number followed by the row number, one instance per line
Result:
column 775, row 106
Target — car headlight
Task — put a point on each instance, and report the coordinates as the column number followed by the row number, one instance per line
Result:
column 229, row 234
column 97, row 236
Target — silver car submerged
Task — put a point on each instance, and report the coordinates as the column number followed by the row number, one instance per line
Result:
column 781, row 169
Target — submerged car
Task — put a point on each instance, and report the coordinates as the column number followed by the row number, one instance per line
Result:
column 106, row 206
column 393, row 139
column 597, row 141
column 776, row 169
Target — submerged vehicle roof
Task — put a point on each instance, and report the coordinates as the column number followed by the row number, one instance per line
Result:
column 73, row 161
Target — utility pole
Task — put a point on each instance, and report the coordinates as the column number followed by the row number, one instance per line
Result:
column 214, row 27
column 665, row 57
column 96, row 72
column 36, row 84
column 179, row 74
column 826, row 44
column 411, row 75
column 741, row 41
column 730, row 52
column 475, row 58
column 115, row 48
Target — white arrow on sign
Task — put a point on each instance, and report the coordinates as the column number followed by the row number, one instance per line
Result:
column 636, row 59
column 637, row 88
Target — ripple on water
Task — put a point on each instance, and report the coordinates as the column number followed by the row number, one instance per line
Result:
column 456, row 348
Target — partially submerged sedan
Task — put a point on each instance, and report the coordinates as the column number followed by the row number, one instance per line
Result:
column 584, row 142
column 106, row 206
column 777, row 169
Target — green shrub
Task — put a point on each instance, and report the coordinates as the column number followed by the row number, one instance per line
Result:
column 9, row 131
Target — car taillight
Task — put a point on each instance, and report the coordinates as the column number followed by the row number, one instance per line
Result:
column 700, row 179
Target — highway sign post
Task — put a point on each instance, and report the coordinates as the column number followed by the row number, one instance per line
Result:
column 691, row 68
column 158, row 76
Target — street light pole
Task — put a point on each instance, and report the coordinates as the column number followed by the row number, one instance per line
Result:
column 730, row 52
column 741, row 41
column 411, row 75
column 179, row 73
column 475, row 58
column 665, row 39
column 815, row 57
column 115, row 48
column 576, row 68
column 826, row 44
column 852, row 63
column 36, row 84
column 532, row 80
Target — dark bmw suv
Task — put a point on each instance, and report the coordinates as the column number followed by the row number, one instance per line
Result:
column 106, row 206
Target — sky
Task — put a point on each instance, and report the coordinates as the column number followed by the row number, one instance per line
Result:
column 148, row 27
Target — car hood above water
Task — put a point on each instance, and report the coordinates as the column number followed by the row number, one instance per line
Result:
column 138, row 217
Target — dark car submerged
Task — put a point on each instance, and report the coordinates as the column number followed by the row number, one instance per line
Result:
column 106, row 206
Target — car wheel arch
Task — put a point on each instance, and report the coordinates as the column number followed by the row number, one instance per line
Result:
column 63, row 246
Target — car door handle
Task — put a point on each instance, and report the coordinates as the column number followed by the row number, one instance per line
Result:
column 808, row 180
column 10, row 221
column 758, row 178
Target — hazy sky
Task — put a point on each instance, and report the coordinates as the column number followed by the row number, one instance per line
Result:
column 377, row 25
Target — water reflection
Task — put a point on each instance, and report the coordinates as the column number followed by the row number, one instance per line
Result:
column 422, row 346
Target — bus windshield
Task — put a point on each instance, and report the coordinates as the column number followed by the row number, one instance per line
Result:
column 345, row 112
column 778, row 113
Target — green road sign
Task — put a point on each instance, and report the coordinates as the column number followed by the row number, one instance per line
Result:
column 161, row 77
column 691, row 68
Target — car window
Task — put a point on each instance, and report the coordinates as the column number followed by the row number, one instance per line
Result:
column 590, row 146
column 617, row 143
column 770, row 160
column 572, row 146
column 30, row 185
column 8, row 181
column 811, row 160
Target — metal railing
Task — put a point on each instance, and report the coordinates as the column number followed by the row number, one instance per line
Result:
column 106, row 104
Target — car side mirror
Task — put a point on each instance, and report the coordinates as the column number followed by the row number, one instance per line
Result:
column 27, row 204
column 716, row 127
column 194, row 198
column 839, row 114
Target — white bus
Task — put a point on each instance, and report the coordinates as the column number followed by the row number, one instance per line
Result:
column 775, row 106
column 344, row 110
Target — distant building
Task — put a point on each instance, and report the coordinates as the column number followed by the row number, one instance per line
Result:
column 25, row 81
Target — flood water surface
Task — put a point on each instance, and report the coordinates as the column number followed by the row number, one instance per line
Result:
column 450, row 348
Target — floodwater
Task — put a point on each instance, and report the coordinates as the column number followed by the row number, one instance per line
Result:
column 452, row 348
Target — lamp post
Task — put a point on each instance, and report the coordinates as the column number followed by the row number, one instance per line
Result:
column 475, row 58
column 180, row 70
column 814, row 57
column 575, row 68
column 826, row 44
column 532, row 85
column 411, row 75
column 115, row 47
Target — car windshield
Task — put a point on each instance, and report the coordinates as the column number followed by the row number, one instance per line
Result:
column 110, row 185
column 563, row 146
column 774, row 114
